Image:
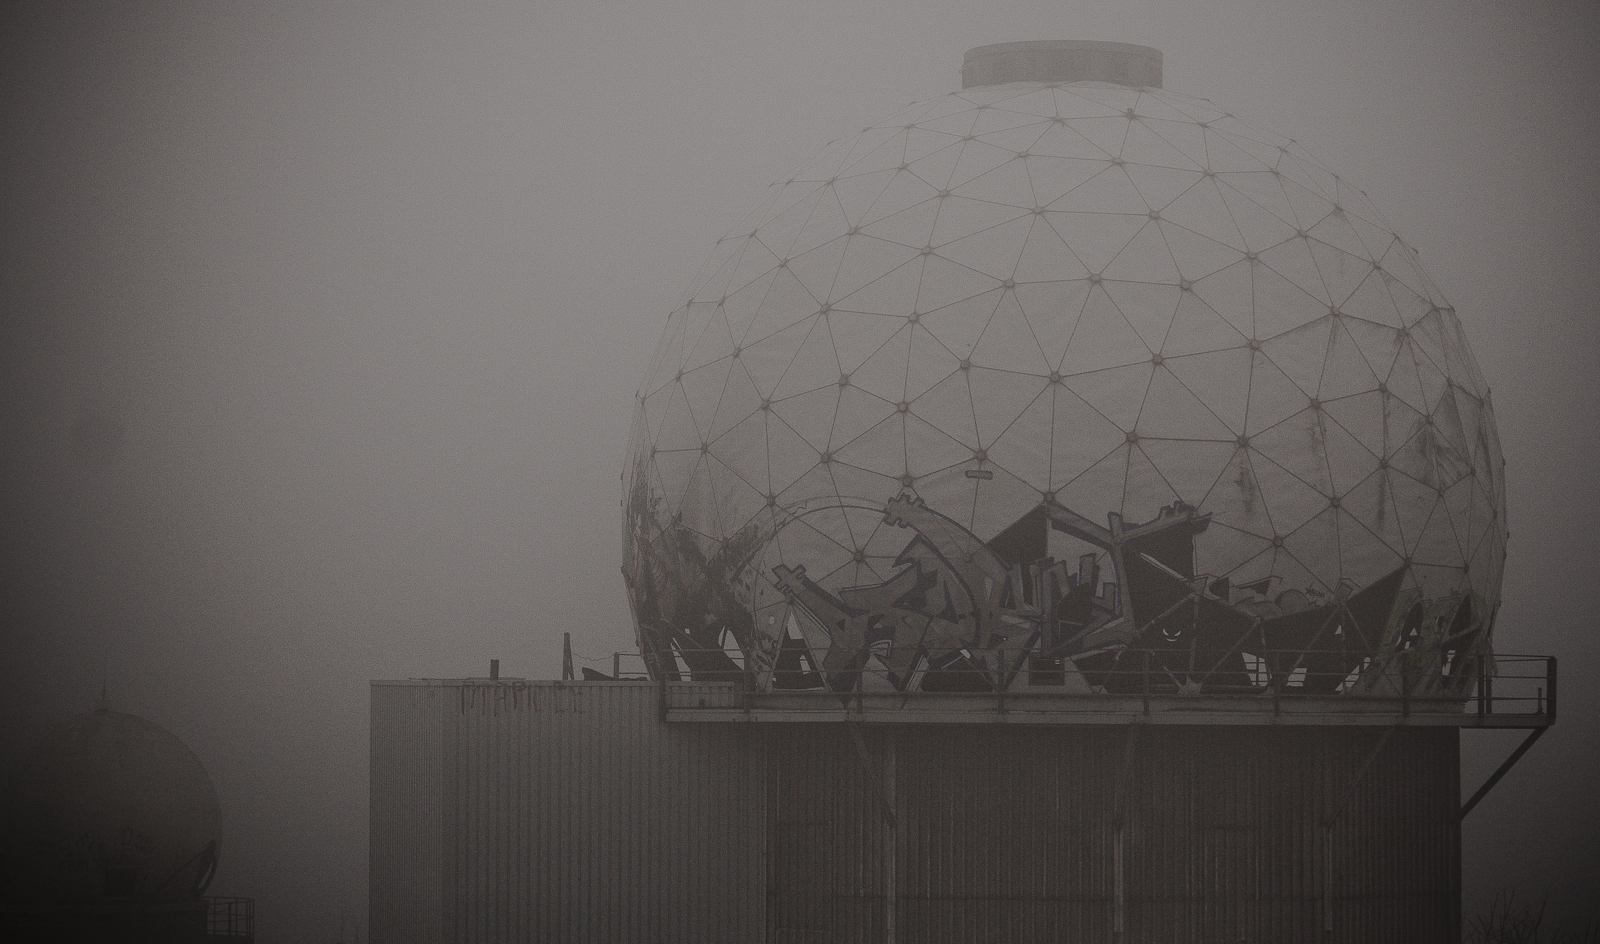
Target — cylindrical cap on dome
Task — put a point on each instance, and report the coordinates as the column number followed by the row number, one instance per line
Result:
column 1062, row 60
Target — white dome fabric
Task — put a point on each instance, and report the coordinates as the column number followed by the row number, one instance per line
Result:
column 916, row 406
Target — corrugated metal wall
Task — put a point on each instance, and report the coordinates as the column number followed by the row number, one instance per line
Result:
column 828, row 835
column 548, row 812
column 406, row 811
column 515, row 811
column 1007, row 833
column 1232, row 833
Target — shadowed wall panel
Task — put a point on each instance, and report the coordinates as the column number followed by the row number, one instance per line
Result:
column 1008, row 833
column 827, row 880
column 517, row 811
column 551, row 812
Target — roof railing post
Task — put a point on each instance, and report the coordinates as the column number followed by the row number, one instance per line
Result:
column 1550, row 682
column 1275, row 679
column 1000, row 681
column 1144, row 679
column 1483, row 691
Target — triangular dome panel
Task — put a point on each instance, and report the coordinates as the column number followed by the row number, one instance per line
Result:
column 950, row 404
column 1095, row 238
column 992, row 251
column 1089, row 492
column 1103, row 339
column 1171, row 411
column 1006, row 185
column 1080, row 436
column 810, row 415
column 1148, row 307
column 1191, row 468
column 1022, row 449
column 1116, row 394
column 1008, row 343
column 1159, row 185
column 1109, row 191
column 1053, row 177
column 1197, row 328
column 857, row 337
column 1052, row 310
column 883, row 372
column 1235, row 499
column 815, row 364
column 892, row 293
column 999, row 397
column 1145, row 258
column 1220, row 380
column 1273, row 396
column 1201, row 209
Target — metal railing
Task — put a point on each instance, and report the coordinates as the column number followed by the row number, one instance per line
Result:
column 1493, row 688
column 1518, row 685
column 231, row 920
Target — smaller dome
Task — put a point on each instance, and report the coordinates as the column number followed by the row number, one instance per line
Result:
column 109, row 810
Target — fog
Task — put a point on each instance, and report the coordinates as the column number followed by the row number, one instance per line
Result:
column 321, row 328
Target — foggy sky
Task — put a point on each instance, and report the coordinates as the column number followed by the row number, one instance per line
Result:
column 321, row 328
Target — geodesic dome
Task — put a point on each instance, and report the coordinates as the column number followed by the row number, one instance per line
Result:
column 1035, row 374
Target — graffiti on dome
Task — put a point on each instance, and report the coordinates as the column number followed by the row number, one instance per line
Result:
column 959, row 614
